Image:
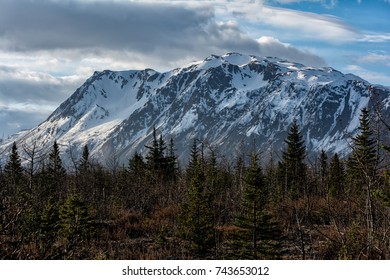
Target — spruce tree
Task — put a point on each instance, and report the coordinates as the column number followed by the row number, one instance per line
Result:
column 155, row 154
column 171, row 162
column 194, row 160
column 161, row 161
column 13, row 169
column 49, row 223
column 362, row 168
column 137, row 165
column 323, row 173
column 162, row 147
column 362, row 163
column 384, row 193
column 74, row 220
column 84, row 161
column 55, row 166
column 336, row 178
column 292, row 168
column 196, row 215
column 258, row 236
column 55, row 170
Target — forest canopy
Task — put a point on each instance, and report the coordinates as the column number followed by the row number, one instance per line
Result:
column 289, row 207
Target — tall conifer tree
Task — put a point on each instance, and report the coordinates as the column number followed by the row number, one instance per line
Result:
column 13, row 168
column 55, row 169
column 323, row 173
column 362, row 163
column 336, row 177
column 154, row 156
column 362, row 166
column 84, row 161
column 292, row 168
column 196, row 215
column 258, row 236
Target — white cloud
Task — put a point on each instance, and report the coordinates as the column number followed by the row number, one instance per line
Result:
column 325, row 3
column 374, row 38
column 27, row 97
column 48, row 48
column 28, row 92
column 19, row 117
column 371, row 76
column 109, row 35
column 308, row 25
column 274, row 47
column 381, row 58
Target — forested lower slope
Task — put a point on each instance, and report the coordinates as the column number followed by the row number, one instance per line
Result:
column 290, row 207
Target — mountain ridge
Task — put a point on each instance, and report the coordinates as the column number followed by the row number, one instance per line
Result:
column 222, row 100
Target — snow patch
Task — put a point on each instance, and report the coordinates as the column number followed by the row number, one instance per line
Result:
column 189, row 119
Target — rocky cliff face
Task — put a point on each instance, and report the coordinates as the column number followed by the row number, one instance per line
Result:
column 223, row 100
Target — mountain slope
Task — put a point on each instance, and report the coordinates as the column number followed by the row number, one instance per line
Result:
column 223, row 100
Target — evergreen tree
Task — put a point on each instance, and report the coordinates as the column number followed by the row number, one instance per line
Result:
column 212, row 172
column 55, row 166
column 155, row 155
column 336, row 178
column 384, row 193
column 74, row 220
column 292, row 168
column 258, row 236
column 160, row 163
column 362, row 163
column 323, row 173
column 196, row 215
column 194, row 160
column 271, row 177
column 49, row 223
column 84, row 161
column 137, row 165
column 13, row 169
column 55, row 173
column 362, row 168
column 162, row 148
column 171, row 162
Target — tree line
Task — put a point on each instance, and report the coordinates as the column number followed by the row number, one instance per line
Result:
column 212, row 208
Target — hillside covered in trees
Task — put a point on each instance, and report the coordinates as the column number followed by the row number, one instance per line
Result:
column 288, row 207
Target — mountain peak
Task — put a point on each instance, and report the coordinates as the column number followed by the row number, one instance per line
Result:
column 223, row 100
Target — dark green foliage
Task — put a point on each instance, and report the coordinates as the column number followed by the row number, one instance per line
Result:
column 137, row 165
column 160, row 163
column 55, row 163
column 154, row 158
column 55, row 170
column 49, row 223
column 84, row 164
column 194, row 159
column 216, row 208
column 292, row 167
column 196, row 215
column 362, row 172
column 362, row 164
column 171, row 161
column 323, row 173
column 13, row 169
column 74, row 220
column 384, row 194
column 336, row 178
column 258, row 236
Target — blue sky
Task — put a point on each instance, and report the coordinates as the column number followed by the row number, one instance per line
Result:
column 366, row 51
column 49, row 47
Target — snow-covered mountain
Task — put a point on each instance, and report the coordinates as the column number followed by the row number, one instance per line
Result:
column 224, row 101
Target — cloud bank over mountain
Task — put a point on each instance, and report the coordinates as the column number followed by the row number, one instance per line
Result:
column 47, row 48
